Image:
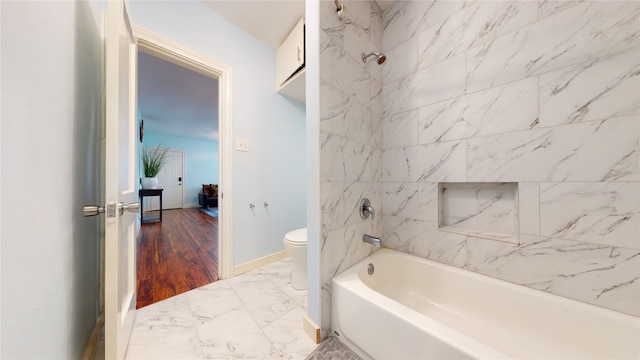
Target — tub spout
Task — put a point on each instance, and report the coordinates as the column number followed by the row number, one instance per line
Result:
column 377, row 242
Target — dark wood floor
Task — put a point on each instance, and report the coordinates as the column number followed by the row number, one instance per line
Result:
column 176, row 255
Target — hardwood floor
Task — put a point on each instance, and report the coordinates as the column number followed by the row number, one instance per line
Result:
column 176, row 255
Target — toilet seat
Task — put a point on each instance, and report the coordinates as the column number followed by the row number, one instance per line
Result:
column 296, row 237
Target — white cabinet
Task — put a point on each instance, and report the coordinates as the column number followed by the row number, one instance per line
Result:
column 290, row 77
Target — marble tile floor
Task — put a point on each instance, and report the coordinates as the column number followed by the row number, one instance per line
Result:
column 256, row 315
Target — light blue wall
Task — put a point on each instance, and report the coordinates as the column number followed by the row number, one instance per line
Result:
column 201, row 161
column 52, row 81
column 274, row 171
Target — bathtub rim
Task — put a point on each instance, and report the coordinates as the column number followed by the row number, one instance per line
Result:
column 625, row 317
column 350, row 280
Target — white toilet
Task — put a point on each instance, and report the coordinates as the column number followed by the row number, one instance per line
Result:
column 295, row 242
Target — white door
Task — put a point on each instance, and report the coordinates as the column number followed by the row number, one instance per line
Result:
column 170, row 178
column 120, row 180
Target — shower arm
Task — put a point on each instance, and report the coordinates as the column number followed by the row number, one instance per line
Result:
column 339, row 9
column 380, row 57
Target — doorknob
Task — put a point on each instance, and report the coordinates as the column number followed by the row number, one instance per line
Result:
column 180, row 178
column 134, row 207
column 93, row 210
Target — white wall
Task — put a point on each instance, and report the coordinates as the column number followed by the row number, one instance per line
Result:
column 274, row 170
column 51, row 111
column 312, row 60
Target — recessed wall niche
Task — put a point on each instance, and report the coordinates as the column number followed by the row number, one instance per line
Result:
column 483, row 210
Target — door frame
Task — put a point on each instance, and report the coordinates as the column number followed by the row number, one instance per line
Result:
column 178, row 54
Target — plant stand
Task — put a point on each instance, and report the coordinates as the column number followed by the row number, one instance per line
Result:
column 150, row 192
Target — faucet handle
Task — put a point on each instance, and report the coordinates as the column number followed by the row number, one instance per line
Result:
column 366, row 209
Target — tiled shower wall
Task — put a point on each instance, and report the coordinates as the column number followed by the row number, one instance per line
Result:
column 543, row 94
column 350, row 138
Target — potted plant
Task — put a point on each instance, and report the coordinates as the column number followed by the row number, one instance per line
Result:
column 153, row 159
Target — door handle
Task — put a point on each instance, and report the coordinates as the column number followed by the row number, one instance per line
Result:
column 134, row 207
column 93, row 210
column 180, row 178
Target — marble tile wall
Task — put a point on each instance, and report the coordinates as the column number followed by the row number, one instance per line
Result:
column 545, row 94
column 350, row 138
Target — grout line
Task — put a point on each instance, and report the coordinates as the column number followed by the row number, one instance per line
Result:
column 195, row 326
column 277, row 286
column 242, row 301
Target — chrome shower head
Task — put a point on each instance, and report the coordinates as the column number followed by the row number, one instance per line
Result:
column 380, row 57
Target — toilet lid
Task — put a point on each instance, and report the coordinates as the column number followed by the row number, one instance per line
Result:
column 297, row 236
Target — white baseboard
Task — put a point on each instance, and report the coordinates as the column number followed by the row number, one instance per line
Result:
column 187, row 206
column 254, row 264
column 311, row 329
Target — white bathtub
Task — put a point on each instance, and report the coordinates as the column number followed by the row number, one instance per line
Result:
column 412, row 308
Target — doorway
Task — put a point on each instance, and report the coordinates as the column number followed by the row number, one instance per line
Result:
column 152, row 44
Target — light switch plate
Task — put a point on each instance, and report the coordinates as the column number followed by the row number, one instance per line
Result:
column 242, row 144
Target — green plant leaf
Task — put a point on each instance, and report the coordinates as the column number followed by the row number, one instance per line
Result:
column 153, row 159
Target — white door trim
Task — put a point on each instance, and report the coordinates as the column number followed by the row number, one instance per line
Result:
column 173, row 52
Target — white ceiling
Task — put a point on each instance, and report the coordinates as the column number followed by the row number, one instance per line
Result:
column 177, row 101
column 268, row 20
